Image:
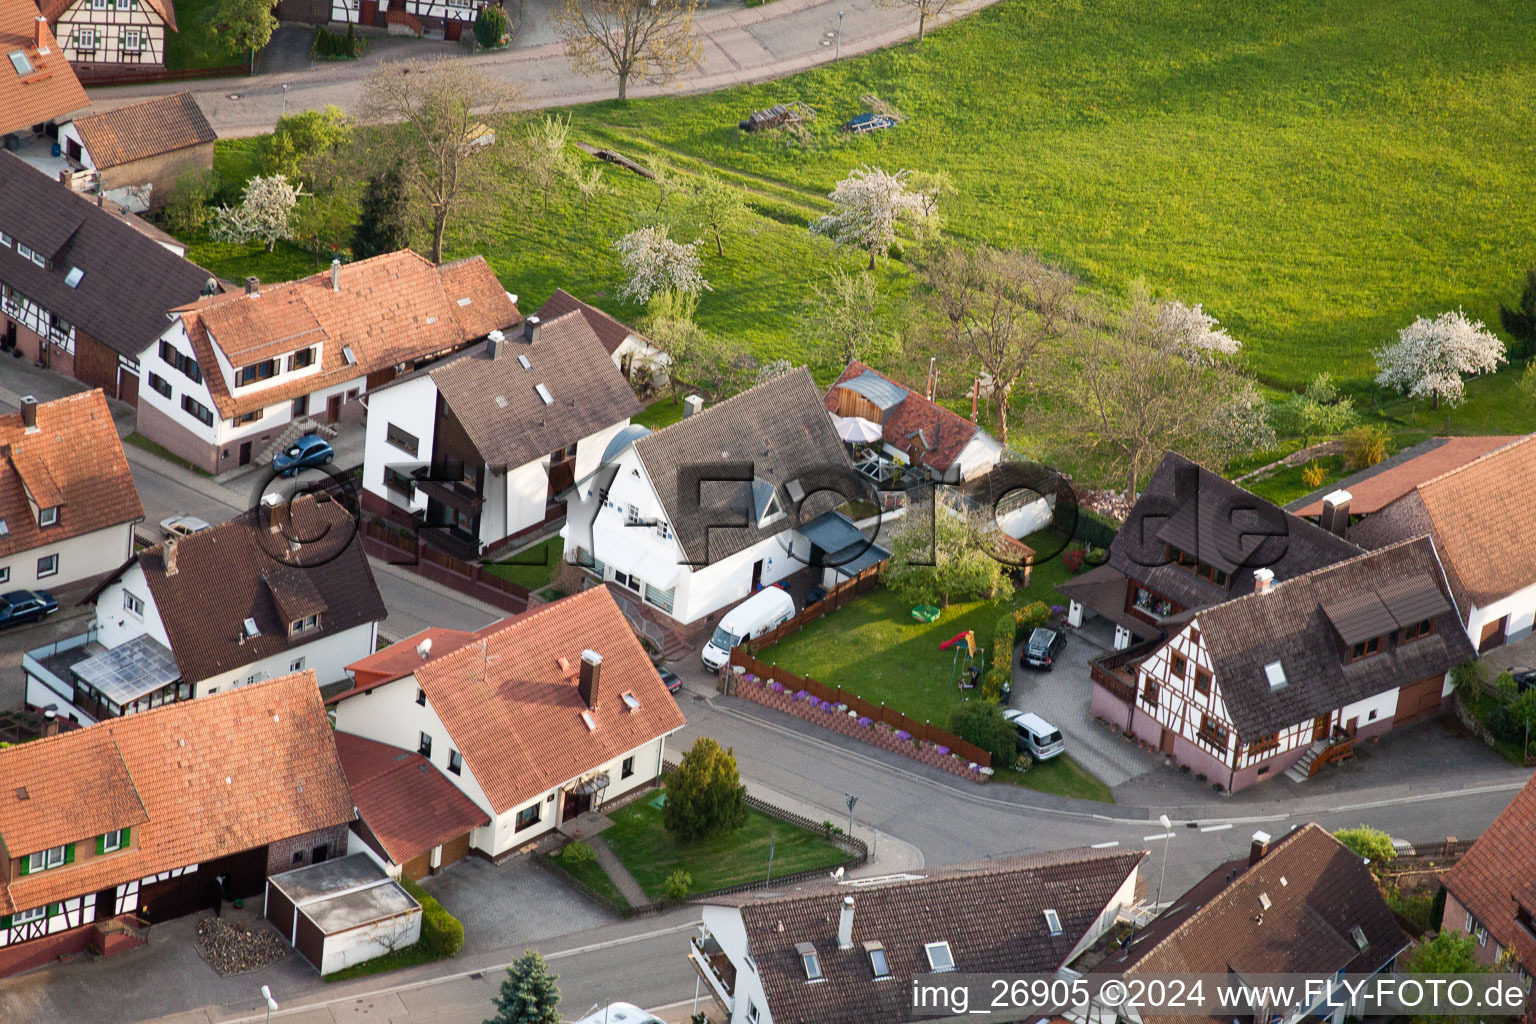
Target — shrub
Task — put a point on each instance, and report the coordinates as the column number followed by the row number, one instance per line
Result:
column 1364, row 446
column 1312, row 475
column 1004, row 631
column 1505, row 687
column 1467, row 679
column 1437, row 909
column 1036, row 613
column 678, row 885
column 1371, row 843
column 1072, row 559
column 982, row 723
column 577, row 853
column 334, row 46
column 191, row 203
column 705, row 796
column 441, row 932
column 492, row 27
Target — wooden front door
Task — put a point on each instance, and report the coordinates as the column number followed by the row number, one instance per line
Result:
column 367, row 11
column 1165, row 742
column 1493, row 635
column 1320, row 728
column 576, row 804
column 245, row 453
column 562, row 475
column 452, row 28
column 333, row 409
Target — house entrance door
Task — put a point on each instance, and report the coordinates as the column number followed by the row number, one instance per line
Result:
column 245, row 453
column 1165, row 742
column 333, row 409
column 757, row 575
column 8, row 342
column 1493, row 635
column 576, row 804
column 1320, row 728
column 452, row 28
column 106, row 904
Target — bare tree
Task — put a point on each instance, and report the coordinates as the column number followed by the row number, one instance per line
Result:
column 648, row 40
column 546, row 158
column 844, row 321
column 925, row 9
column 998, row 307
column 440, row 119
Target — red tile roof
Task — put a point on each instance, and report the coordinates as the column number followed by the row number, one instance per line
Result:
column 944, row 433
column 400, row 659
column 150, row 128
column 213, row 776
column 51, row 90
column 73, row 461
column 408, row 805
column 514, row 711
column 1498, row 875
column 1372, row 489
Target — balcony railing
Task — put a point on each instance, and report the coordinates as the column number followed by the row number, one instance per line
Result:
column 716, row 970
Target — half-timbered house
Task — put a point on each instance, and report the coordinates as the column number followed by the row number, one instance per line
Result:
column 148, row 817
column 439, row 19
column 105, row 35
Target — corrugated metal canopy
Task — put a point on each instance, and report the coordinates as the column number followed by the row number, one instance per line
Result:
column 832, row 531
column 883, row 393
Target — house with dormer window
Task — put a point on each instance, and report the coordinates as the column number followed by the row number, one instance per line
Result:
column 220, row 609
column 235, row 377
column 106, row 35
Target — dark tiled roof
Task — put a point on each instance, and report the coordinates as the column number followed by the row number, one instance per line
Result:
column 1199, row 512
column 780, row 427
column 151, row 128
column 223, row 577
column 1291, row 624
column 944, row 433
column 73, row 461
column 1499, row 874
column 608, row 330
column 992, row 914
column 498, row 405
column 1220, row 926
column 51, row 91
column 408, row 805
column 124, row 311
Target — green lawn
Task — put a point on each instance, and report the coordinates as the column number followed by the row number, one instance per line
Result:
column 661, row 413
column 651, row 853
column 1286, row 484
column 194, row 46
column 592, row 875
column 532, row 567
column 1060, row 775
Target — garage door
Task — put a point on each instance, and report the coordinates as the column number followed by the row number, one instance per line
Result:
column 417, row 867
column 1418, row 700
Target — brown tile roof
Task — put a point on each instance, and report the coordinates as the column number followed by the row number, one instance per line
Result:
column 392, row 309
column 779, row 426
column 1372, row 489
column 496, row 402
column 54, row 9
column 609, row 331
column 514, row 712
column 1296, row 622
column 151, row 128
column 215, row 776
column 408, row 805
column 944, row 432
column 224, row 575
column 1197, row 511
column 992, row 914
column 47, row 94
column 1498, row 875
column 1220, row 926
column 73, row 461
column 125, row 312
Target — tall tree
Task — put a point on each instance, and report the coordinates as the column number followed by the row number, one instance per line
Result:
column 265, row 212
column 705, row 796
column 843, row 320
column 528, row 993
column 301, row 141
column 1520, row 321
column 445, row 123
column 867, row 206
column 715, row 209
column 1430, row 356
column 644, row 40
column 925, row 9
column 384, row 218
column 653, row 263
column 243, row 24
column 1370, row 843
column 998, row 307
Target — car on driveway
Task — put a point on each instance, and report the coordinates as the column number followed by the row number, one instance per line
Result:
column 26, row 606
column 674, row 683
column 182, row 526
column 1035, row 736
column 1042, row 648
column 307, row 452
column 1525, row 678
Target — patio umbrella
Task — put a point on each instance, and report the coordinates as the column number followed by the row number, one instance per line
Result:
column 856, row 429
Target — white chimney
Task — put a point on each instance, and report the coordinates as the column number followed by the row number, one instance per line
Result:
column 424, row 648
column 845, row 924
column 1263, row 579
column 335, row 275
column 1335, row 517
column 692, row 405
column 495, row 343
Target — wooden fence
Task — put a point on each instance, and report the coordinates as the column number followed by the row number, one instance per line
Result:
column 416, row 554
column 125, row 77
column 836, row 598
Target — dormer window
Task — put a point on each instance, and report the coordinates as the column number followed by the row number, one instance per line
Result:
column 810, row 961
column 256, row 371
column 51, row 858
column 1365, row 648
column 940, row 959
column 113, row 841
column 877, row 962
column 303, row 625
column 300, row 359
column 48, row 516
column 1418, row 630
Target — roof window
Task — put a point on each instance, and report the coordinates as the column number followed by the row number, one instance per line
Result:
column 586, row 717
column 1053, row 922
column 810, row 961
column 1264, row 900
column 524, row 363
column 940, row 959
column 1358, row 934
column 73, row 277
column 544, row 393
column 631, row 701
column 877, row 961
column 251, row 629
column 1275, row 673
column 348, row 355
column 20, row 63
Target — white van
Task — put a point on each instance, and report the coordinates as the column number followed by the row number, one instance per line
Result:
column 753, row 617
column 1038, row 738
column 619, row 1013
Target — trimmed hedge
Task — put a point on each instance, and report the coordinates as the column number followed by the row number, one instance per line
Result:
column 1091, row 528
column 332, row 46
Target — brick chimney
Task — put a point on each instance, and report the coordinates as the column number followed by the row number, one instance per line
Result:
column 40, row 35
column 50, row 722
column 591, row 674
column 335, row 275
column 1263, row 580
column 253, row 286
column 1259, row 848
column 169, row 555
column 531, row 329
column 1335, row 517
column 29, row 413
column 271, row 512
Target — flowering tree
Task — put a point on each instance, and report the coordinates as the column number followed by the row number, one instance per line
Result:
column 1430, row 356
column 868, row 203
column 1194, row 332
column 265, row 212
column 655, row 263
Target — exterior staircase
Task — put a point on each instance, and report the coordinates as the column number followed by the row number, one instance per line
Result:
column 295, row 430
column 1301, row 771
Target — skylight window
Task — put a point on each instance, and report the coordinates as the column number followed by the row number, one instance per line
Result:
column 810, row 961
column 524, row 363
column 544, row 393
column 73, row 277
column 1264, row 900
column 20, row 63
column 1358, row 934
column 464, row 302
column 631, row 701
column 1275, row 673
column 5, row 530
column 586, row 718
column 251, row 628
column 1053, row 922
column 877, row 961
column 940, row 959
column 348, row 355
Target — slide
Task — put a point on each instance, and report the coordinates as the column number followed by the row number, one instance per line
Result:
column 947, row 644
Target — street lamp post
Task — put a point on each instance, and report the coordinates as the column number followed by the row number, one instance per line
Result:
column 266, row 993
column 839, row 52
column 1162, row 820
column 285, row 99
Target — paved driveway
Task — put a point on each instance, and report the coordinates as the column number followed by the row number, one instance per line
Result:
column 511, row 904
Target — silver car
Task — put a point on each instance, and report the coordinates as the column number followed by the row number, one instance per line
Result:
column 182, row 526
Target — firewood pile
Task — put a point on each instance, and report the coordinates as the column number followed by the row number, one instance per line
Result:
column 232, row 948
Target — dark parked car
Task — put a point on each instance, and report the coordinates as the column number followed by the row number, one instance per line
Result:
column 671, row 679
column 307, row 452
column 26, row 606
column 1525, row 678
column 1043, row 647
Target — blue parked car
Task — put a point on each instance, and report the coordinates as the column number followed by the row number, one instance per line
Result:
column 26, row 606
column 307, row 452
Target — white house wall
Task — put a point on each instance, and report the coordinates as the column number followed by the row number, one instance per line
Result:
column 1519, row 606
column 327, row 657
column 721, row 584
column 979, row 455
column 371, row 940
column 725, row 924
column 115, row 624
column 411, row 406
column 522, row 502
column 73, row 912
column 90, row 554
column 150, row 362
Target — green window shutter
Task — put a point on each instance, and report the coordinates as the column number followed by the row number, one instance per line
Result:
column 69, row 854
column 54, row 908
column 101, row 845
column 5, row 921
column 126, row 833
column 26, row 865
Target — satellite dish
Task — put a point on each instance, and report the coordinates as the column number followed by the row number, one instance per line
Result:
column 210, row 286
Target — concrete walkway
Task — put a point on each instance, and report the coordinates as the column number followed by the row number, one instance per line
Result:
column 618, row 873
column 739, row 44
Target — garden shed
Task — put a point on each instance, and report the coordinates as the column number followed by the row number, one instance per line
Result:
column 342, row 912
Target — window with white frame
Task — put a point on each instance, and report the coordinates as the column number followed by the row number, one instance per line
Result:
column 129, row 40
column 296, row 665
column 85, row 38
column 5, row 574
column 303, row 625
column 48, row 516
column 133, row 604
column 28, row 916
column 455, row 762
column 939, row 956
column 48, row 565
column 51, row 858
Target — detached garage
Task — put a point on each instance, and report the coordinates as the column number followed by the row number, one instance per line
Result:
column 342, row 912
